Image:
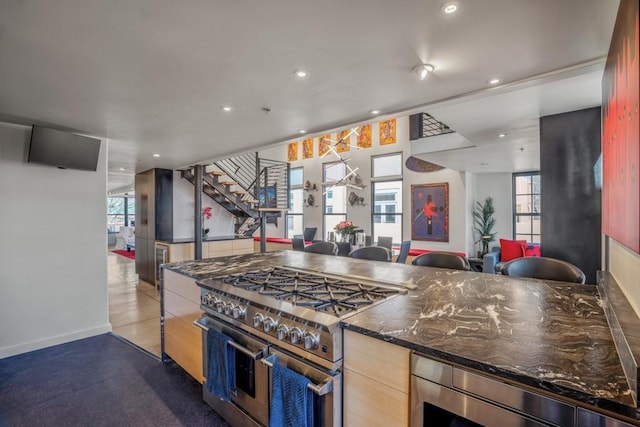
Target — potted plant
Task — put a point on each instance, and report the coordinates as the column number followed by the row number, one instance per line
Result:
column 483, row 223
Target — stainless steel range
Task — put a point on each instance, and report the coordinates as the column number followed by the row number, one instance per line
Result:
column 294, row 314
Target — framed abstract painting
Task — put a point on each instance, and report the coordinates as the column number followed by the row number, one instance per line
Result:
column 292, row 152
column 307, row 148
column 430, row 212
column 324, row 142
column 387, row 132
column 364, row 139
column 344, row 141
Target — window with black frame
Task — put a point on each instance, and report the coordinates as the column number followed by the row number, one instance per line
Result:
column 121, row 211
column 527, row 219
column 334, row 196
column 295, row 217
column 386, row 189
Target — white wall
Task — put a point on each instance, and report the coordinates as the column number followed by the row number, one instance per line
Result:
column 220, row 223
column 53, row 275
column 498, row 187
column 459, row 207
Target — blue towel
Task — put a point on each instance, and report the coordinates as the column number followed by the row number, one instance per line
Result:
column 291, row 399
column 221, row 375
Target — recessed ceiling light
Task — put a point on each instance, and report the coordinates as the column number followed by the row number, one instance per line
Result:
column 449, row 8
column 122, row 169
column 494, row 81
column 301, row 73
column 502, row 135
column 423, row 70
column 226, row 108
column 156, row 155
column 302, row 131
column 374, row 112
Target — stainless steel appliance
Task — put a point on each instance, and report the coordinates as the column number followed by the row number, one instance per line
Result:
column 294, row 314
column 448, row 396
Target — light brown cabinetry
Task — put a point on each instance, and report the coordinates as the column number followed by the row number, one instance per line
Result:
column 376, row 382
column 182, row 340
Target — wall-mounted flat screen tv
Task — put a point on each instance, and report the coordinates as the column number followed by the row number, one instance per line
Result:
column 64, row 150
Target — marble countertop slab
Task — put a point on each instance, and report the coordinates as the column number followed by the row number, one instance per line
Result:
column 552, row 336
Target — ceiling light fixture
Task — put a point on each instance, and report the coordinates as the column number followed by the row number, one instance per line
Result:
column 301, row 73
column 449, row 8
column 122, row 169
column 423, row 70
column 374, row 112
column 502, row 135
column 226, row 108
column 156, row 155
column 302, row 131
column 494, row 81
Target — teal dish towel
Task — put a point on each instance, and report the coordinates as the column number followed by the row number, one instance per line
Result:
column 221, row 373
column 291, row 400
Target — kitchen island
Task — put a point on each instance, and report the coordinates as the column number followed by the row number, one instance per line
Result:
column 549, row 337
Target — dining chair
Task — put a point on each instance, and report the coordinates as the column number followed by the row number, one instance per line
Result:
column 309, row 233
column 373, row 253
column 442, row 260
column 343, row 248
column 543, row 268
column 297, row 242
column 404, row 252
column 385, row 242
column 325, row 248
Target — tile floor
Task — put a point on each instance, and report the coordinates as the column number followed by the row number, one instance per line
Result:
column 134, row 306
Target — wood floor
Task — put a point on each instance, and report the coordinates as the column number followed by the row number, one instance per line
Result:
column 134, row 306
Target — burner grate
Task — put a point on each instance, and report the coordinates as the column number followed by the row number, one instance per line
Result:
column 331, row 295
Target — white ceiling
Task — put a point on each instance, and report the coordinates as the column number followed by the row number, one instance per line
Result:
column 151, row 75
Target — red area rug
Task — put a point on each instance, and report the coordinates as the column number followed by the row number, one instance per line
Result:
column 131, row 254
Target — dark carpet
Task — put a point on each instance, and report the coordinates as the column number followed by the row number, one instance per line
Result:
column 99, row 381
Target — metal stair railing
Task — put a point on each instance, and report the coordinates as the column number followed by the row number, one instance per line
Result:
column 241, row 169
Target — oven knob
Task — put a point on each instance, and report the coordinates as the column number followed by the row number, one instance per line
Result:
column 295, row 335
column 206, row 299
column 269, row 324
column 219, row 304
column 283, row 332
column 213, row 301
column 228, row 308
column 257, row 320
column 311, row 340
column 239, row 312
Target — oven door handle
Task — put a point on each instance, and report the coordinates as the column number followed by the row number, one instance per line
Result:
column 319, row 389
column 242, row 349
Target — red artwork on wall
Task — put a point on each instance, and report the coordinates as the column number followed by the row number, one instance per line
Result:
column 621, row 131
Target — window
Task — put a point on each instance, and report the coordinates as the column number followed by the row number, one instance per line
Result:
column 296, row 202
column 526, row 207
column 386, row 178
column 121, row 211
column 335, row 198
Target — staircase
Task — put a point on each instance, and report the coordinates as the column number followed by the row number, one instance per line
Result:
column 250, row 188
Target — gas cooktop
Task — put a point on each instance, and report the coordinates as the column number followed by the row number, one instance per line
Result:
column 333, row 295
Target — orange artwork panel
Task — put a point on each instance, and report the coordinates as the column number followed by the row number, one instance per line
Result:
column 344, row 141
column 388, row 132
column 324, row 142
column 307, row 148
column 364, row 139
column 292, row 152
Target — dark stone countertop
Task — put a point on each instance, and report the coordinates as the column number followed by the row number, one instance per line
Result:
column 206, row 239
column 549, row 335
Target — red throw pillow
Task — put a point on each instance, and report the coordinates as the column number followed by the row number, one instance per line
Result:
column 532, row 250
column 512, row 249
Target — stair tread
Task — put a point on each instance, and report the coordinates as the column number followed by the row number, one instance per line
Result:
column 229, row 183
column 216, row 173
column 239, row 192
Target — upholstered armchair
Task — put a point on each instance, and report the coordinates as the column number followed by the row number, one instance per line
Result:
column 493, row 260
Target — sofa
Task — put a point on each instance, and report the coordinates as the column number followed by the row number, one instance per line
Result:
column 493, row 261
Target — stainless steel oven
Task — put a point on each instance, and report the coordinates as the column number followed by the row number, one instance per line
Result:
column 444, row 395
column 250, row 398
column 293, row 314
